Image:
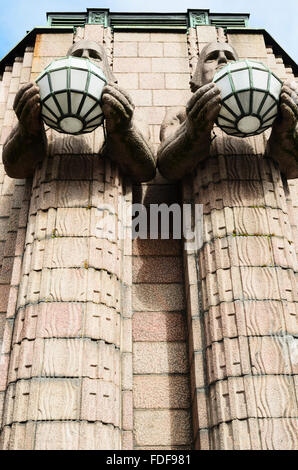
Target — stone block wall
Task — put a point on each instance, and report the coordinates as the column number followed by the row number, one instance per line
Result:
column 163, row 346
column 154, row 68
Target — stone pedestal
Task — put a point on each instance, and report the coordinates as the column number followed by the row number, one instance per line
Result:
column 241, row 304
column 64, row 388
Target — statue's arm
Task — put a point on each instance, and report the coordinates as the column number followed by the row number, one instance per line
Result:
column 178, row 152
column 26, row 145
column 127, row 140
column 22, row 152
column 283, row 142
column 186, row 134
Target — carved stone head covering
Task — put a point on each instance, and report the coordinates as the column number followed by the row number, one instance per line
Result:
column 214, row 56
column 96, row 53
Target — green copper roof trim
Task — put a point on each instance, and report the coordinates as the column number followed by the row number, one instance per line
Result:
column 198, row 18
column 162, row 21
column 98, row 17
column 226, row 21
column 120, row 21
column 60, row 20
column 92, row 16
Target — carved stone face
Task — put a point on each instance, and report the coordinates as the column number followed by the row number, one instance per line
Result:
column 96, row 53
column 213, row 57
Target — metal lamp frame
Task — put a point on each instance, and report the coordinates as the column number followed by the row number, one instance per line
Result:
column 86, row 125
column 250, row 66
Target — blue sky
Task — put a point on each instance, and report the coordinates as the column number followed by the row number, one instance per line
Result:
column 279, row 18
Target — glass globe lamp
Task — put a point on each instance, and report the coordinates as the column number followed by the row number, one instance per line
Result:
column 70, row 92
column 250, row 95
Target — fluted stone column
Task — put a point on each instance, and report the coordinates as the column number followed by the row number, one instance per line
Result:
column 14, row 205
column 242, row 303
column 64, row 387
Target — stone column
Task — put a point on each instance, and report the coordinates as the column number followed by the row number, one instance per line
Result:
column 64, row 387
column 242, row 307
column 14, row 205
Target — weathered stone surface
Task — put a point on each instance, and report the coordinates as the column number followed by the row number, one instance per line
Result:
column 169, row 270
column 125, row 49
column 152, row 297
column 170, row 97
column 159, row 326
column 170, row 64
column 162, row 427
column 156, row 247
column 177, row 81
column 152, row 81
column 248, row 46
column 150, row 49
column 161, row 392
column 160, row 358
column 138, row 64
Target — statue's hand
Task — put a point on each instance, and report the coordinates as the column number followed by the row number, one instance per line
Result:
column 286, row 121
column 27, row 108
column 202, row 110
column 117, row 108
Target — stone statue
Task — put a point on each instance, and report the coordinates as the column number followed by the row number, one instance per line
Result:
column 126, row 145
column 77, row 220
column 186, row 132
column 244, row 251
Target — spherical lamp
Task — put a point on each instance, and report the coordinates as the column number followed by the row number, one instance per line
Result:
column 70, row 92
column 250, row 95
